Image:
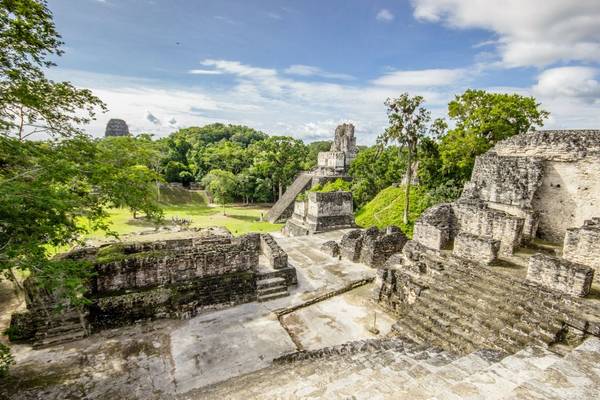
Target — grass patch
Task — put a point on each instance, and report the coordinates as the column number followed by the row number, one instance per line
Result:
column 238, row 219
column 387, row 208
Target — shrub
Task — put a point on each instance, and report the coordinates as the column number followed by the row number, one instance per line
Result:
column 6, row 359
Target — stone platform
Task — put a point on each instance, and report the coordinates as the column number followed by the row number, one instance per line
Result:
column 392, row 369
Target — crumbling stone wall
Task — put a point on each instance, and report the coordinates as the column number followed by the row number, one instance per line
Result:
column 478, row 219
column 570, row 186
column 277, row 258
column 559, row 274
column 174, row 278
column 372, row 246
column 436, row 227
column 478, row 248
column 582, row 245
column 322, row 211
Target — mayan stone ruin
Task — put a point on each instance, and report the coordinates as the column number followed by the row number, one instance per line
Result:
column 173, row 278
column 331, row 165
column 116, row 127
column 495, row 297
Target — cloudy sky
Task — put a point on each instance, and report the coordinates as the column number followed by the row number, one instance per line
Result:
column 301, row 67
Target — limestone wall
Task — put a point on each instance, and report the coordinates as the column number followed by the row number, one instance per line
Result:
column 277, row 258
column 582, row 245
column 569, row 194
column 477, row 219
column 559, row 274
column 505, row 180
column 570, row 187
column 164, row 267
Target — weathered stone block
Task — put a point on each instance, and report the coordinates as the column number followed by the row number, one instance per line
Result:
column 582, row 245
column 509, row 180
column 277, row 258
column 378, row 246
column 476, row 248
column 435, row 228
column 331, row 248
column 479, row 220
column 351, row 245
column 559, row 274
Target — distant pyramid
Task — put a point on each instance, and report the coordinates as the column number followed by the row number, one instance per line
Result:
column 116, row 127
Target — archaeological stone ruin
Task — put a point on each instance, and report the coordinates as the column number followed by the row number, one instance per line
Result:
column 331, row 165
column 496, row 295
column 116, row 127
column 172, row 278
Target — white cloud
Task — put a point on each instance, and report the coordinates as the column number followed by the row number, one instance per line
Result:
column 424, row 78
column 204, row 72
column 531, row 32
column 384, row 15
column 278, row 104
column 575, row 82
column 309, row 70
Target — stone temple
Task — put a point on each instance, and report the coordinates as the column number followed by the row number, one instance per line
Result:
column 116, row 127
column 331, row 165
column 496, row 296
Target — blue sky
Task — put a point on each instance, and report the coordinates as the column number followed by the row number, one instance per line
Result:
column 301, row 67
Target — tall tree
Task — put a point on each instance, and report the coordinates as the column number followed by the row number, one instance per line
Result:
column 408, row 121
column 481, row 120
column 280, row 157
column 29, row 102
column 222, row 185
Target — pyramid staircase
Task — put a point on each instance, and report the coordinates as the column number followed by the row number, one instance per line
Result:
column 394, row 369
column 468, row 307
column 281, row 209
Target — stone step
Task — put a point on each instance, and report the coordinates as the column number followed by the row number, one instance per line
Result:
column 272, row 289
column 270, row 282
column 498, row 379
column 576, row 376
column 52, row 340
column 272, row 296
column 71, row 326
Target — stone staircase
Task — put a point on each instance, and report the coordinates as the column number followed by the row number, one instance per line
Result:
column 466, row 308
column 271, row 288
column 281, row 209
column 59, row 328
column 393, row 369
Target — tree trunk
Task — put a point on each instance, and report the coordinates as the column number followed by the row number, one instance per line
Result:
column 407, row 190
column 280, row 190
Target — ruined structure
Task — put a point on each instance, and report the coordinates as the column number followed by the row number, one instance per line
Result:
column 175, row 278
column 116, row 127
column 321, row 212
column 372, row 246
column 331, row 165
column 486, row 271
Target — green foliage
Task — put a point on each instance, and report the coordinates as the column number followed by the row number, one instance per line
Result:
column 482, row 119
column 221, row 184
column 6, row 359
column 29, row 102
column 387, row 208
column 280, row 158
column 339, row 185
column 373, row 170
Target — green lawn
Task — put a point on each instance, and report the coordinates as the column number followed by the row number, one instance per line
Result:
column 238, row 219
